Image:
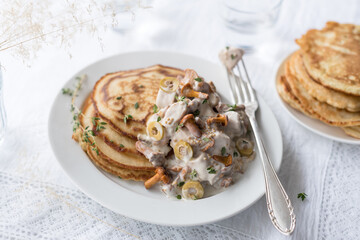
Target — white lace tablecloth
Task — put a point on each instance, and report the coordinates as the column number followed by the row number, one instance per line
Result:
column 38, row 200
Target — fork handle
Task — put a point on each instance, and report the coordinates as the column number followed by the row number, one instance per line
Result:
column 278, row 203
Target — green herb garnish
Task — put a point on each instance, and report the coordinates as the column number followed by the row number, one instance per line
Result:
column 180, row 184
column 67, row 91
column 136, row 106
column 198, row 79
column 99, row 127
column 76, row 126
column 302, row 196
column 182, row 98
column 178, row 196
column 178, row 126
column 126, row 117
column 205, row 101
column 227, row 47
column 232, row 107
column 119, row 177
column 233, row 56
column 193, row 174
column 141, row 86
column 119, row 98
column 206, row 139
column 87, row 133
column 211, row 170
column 235, row 154
column 155, row 108
column 121, row 145
column 158, row 119
column 94, row 119
column 196, row 113
column 223, row 151
column 96, row 150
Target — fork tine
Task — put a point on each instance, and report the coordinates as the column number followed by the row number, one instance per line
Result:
column 234, row 94
column 243, row 86
column 240, row 98
column 250, row 88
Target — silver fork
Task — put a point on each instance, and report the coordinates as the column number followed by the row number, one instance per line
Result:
column 278, row 203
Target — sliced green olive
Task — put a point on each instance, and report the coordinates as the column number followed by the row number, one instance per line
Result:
column 192, row 190
column 245, row 146
column 183, row 151
column 169, row 84
column 155, row 130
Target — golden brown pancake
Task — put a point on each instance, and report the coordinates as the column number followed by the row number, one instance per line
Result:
column 332, row 56
column 111, row 151
column 127, row 174
column 114, row 96
column 322, row 111
column 352, row 131
column 323, row 94
column 285, row 93
column 137, row 86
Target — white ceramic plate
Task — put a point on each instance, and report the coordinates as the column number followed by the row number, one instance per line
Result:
column 130, row 198
column 334, row 133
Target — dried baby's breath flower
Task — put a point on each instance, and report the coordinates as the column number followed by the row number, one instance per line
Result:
column 28, row 25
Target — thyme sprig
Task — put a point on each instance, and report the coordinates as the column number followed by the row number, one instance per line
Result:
column 193, row 174
column 231, row 107
column 76, row 112
column 67, row 91
column 126, row 117
column 302, row 196
column 211, row 170
column 181, row 98
column 88, row 134
column 178, row 126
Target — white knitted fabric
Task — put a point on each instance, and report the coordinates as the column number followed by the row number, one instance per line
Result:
column 38, row 200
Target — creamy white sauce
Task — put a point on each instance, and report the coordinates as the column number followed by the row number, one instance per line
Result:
column 236, row 125
column 206, row 111
column 222, row 141
column 164, row 99
column 201, row 163
column 215, row 139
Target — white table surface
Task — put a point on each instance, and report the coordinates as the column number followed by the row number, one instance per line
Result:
column 38, row 200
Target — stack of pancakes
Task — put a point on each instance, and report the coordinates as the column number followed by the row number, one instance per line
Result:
column 114, row 97
column 322, row 79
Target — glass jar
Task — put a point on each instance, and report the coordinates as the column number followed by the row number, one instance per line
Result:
column 248, row 21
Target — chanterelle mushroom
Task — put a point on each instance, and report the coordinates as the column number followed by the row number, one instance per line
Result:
column 189, row 122
column 159, row 176
column 226, row 160
column 187, row 91
column 220, row 118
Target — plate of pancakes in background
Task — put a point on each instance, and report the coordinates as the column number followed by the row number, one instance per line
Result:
column 113, row 174
column 319, row 84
